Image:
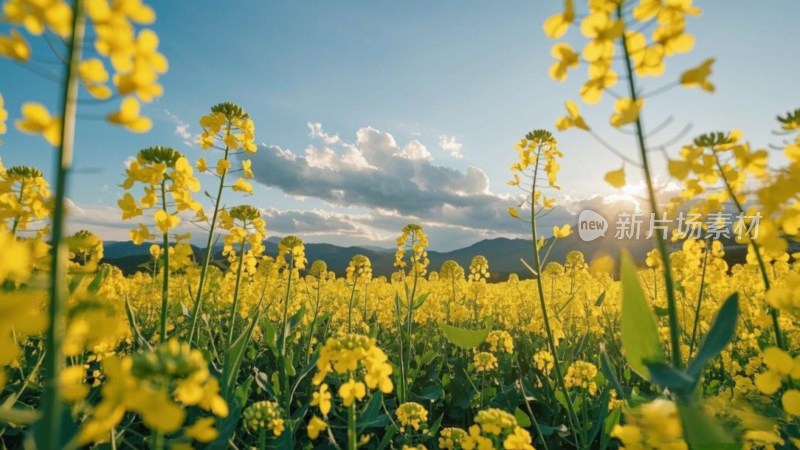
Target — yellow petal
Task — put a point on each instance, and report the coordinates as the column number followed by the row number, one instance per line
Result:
column 616, row 178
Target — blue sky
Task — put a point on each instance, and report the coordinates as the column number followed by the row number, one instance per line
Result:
column 403, row 77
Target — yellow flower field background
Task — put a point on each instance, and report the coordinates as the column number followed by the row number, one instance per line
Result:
column 274, row 351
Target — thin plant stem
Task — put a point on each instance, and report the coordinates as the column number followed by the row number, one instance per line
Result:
column 779, row 341
column 350, row 304
column 51, row 404
column 164, row 270
column 572, row 417
column 672, row 310
column 352, row 433
column 209, row 247
column 699, row 298
column 236, row 287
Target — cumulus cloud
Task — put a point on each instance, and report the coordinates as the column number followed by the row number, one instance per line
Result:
column 415, row 150
column 312, row 222
column 397, row 183
column 451, row 145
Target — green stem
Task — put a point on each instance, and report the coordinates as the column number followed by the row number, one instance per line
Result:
column 282, row 373
column 672, row 310
column 483, row 385
column 235, row 304
column 314, row 320
column 573, row 418
column 401, row 388
column 410, row 318
column 158, row 440
column 284, row 334
column 533, row 416
column 207, row 258
column 762, row 267
column 699, row 298
column 262, row 439
column 19, row 200
column 352, row 434
column 350, row 304
column 164, row 269
column 51, row 403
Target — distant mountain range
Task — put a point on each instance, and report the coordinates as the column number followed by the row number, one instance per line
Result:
column 503, row 254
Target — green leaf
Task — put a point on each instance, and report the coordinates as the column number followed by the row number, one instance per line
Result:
column 671, row 378
column 270, row 335
column 600, row 299
column 661, row 312
column 702, row 432
column 369, row 414
column 522, row 419
column 233, row 359
column 610, row 372
column 420, row 300
column 639, row 330
column 97, row 282
column 387, row 437
column 465, row 338
column 722, row 330
column 432, row 392
column 611, row 420
column 227, row 425
column 137, row 334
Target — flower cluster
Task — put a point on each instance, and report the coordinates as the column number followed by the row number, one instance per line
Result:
column 478, row 269
column 354, row 356
column 495, row 428
column 246, row 233
column 581, row 374
column 538, row 150
column 484, row 362
column 291, row 247
column 412, row 415
column 500, row 341
column 158, row 385
column 652, row 425
column 544, row 361
column 161, row 171
column 85, row 251
column 781, row 367
column 413, row 236
column 451, row 271
column 264, row 415
column 24, row 200
column 134, row 57
column 450, row 438
column 359, row 269
column 230, row 129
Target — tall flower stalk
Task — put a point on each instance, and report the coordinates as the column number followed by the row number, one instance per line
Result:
column 247, row 230
column 412, row 238
column 230, row 129
column 161, row 171
column 538, row 151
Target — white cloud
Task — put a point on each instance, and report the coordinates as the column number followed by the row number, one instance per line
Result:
column 182, row 129
column 415, row 150
column 318, row 133
column 451, row 145
column 396, row 183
